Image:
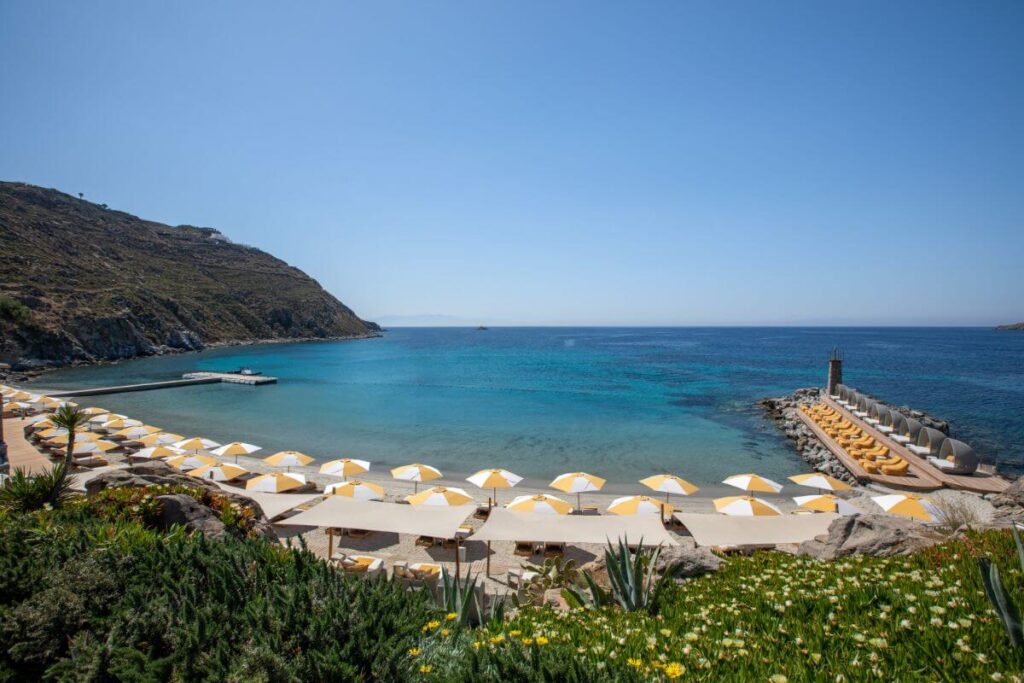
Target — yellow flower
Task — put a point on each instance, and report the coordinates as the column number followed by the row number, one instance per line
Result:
column 778, row 678
column 634, row 662
column 496, row 640
column 527, row 642
column 541, row 640
column 514, row 633
column 451, row 616
column 674, row 670
column 445, row 632
column 665, row 632
column 425, row 669
column 414, row 652
column 433, row 624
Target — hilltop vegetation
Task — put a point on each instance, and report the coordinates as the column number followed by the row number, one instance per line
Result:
column 80, row 282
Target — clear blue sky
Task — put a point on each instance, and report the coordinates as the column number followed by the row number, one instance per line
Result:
column 555, row 162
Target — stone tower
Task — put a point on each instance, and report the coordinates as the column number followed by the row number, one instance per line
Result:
column 835, row 370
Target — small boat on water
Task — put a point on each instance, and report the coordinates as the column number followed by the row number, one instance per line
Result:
column 248, row 372
column 481, row 328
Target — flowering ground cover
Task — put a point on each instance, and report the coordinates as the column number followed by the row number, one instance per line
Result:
column 768, row 617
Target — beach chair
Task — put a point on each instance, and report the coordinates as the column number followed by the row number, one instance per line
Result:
column 416, row 575
column 525, row 548
column 896, row 470
column 553, row 549
column 518, row 578
column 364, row 565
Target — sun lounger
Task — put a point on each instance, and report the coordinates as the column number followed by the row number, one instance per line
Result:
column 897, row 470
column 920, row 450
column 526, row 548
column 416, row 575
column 517, row 578
column 900, row 438
column 359, row 564
column 358, row 533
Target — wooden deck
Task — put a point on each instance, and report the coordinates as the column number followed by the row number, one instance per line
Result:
column 915, row 480
column 21, row 454
column 980, row 482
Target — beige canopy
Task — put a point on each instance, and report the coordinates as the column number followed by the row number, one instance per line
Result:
column 510, row 525
column 723, row 531
column 273, row 504
column 418, row 520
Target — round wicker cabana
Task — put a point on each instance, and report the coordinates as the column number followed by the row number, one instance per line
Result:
column 931, row 439
column 961, row 458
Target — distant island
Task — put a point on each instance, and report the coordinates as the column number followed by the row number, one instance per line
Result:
column 1015, row 326
column 81, row 283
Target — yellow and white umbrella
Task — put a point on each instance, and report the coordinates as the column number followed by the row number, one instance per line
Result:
column 41, row 422
column 161, row 439
column 639, row 505
column 53, row 404
column 158, row 452
column 359, row 490
column 218, row 472
column 92, row 447
column 93, row 411
column 190, row 461
column 745, row 506
column 577, row 482
column 235, row 448
column 440, row 495
column 54, row 432
column 288, row 459
column 494, row 479
column 196, row 444
column 542, row 502
column 416, row 472
column 19, row 396
column 826, row 503
column 100, row 418
column 345, row 467
column 822, row 482
column 276, row 482
column 669, row 484
column 17, row 406
column 61, row 440
column 120, row 423
column 908, row 505
column 136, row 433
column 753, row 482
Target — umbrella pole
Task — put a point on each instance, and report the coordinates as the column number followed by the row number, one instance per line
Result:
column 330, row 544
column 488, row 558
column 457, row 565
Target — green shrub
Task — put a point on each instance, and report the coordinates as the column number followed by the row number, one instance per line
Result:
column 82, row 597
column 13, row 310
column 24, row 492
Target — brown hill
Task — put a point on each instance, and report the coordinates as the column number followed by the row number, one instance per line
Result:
column 1015, row 326
column 80, row 283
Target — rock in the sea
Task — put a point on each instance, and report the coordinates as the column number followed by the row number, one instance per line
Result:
column 874, row 535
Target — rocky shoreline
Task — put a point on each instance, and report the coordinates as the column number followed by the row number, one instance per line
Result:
column 25, row 373
column 783, row 412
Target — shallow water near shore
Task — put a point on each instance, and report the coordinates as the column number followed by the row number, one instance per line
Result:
column 619, row 402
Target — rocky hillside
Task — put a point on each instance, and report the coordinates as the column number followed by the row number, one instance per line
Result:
column 80, row 282
column 1015, row 326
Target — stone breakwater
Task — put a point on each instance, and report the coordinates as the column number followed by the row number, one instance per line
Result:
column 783, row 412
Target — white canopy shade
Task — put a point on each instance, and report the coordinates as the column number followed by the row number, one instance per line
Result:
column 437, row 522
column 508, row 525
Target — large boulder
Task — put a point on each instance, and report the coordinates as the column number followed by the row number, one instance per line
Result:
column 685, row 561
column 1009, row 505
column 158, row 473
column 875, row 535
column 184, row 510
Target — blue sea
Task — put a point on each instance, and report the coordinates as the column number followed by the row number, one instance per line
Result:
column 622, row 403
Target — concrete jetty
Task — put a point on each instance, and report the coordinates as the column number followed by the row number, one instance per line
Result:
column 187, row 380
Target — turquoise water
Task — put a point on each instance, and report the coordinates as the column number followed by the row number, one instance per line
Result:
column 621, row 403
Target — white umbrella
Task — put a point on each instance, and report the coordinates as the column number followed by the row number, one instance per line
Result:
column 359, row 490
column 826, row 503
column 276, row 482
column 235, row 448
column 550, row 505
column 745, row 506
column 157, row 452
column 753, row 482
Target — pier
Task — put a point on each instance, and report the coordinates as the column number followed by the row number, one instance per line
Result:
column 187, row 380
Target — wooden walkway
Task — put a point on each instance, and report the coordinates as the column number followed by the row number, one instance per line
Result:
column 980, row 482
column 20, row 452
column 915, row 479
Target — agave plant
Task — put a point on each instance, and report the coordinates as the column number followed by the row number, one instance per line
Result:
column 1000, row 598
column 634, row 586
